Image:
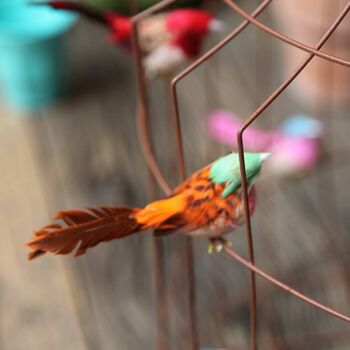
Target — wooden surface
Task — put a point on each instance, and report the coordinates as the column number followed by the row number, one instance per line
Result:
column 84, row 151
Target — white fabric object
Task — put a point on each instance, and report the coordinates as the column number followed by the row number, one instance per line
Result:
column 216, row 26
column 164, row 60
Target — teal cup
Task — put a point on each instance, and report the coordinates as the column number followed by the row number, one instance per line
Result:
column 33, row 55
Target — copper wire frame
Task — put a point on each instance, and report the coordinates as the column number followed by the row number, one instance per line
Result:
column 144, row 134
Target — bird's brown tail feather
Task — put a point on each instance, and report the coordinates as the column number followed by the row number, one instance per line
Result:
column 87, row 227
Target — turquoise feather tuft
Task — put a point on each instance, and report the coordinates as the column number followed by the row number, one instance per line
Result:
column 226, row 170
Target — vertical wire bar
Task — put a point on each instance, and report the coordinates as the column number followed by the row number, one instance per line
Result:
column 156, row 172
column 176, row 117
column 249, row 236
column 240, row 132
column 158, row 256
column 157, row 248
column 189, row 69
column 148, row 151
column 194, row 342
column 179, row 138
column 188, row 243
column 160, row 293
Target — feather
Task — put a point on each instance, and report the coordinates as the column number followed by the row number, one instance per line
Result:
column 226, row 171
column 210, row 198
column 156, row 214
column 86, row 228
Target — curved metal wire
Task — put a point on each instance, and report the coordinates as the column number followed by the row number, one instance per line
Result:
column 143, row 134
column 313, row 52
column 281, row 285
column 143, row 121
column 176, row 118
column 250, row 120
column 285, row 38
column 194, row 65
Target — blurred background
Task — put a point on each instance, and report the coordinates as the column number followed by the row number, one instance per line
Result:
column 81, row 149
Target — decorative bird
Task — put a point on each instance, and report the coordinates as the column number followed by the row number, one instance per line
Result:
column 167, row 40
column 209, row 203
column 295, row 146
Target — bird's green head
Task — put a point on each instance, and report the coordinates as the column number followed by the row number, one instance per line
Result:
column 226, row 170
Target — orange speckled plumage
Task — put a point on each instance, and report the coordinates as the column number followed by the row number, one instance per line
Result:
column 195, row 204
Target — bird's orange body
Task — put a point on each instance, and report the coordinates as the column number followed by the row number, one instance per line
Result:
column 195, row 204
column 205, row 201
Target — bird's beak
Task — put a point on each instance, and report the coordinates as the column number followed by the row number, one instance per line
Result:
column 264, row 156
column 216, row 26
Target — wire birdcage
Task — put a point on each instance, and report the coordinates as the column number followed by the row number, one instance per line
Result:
column 143, row 117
